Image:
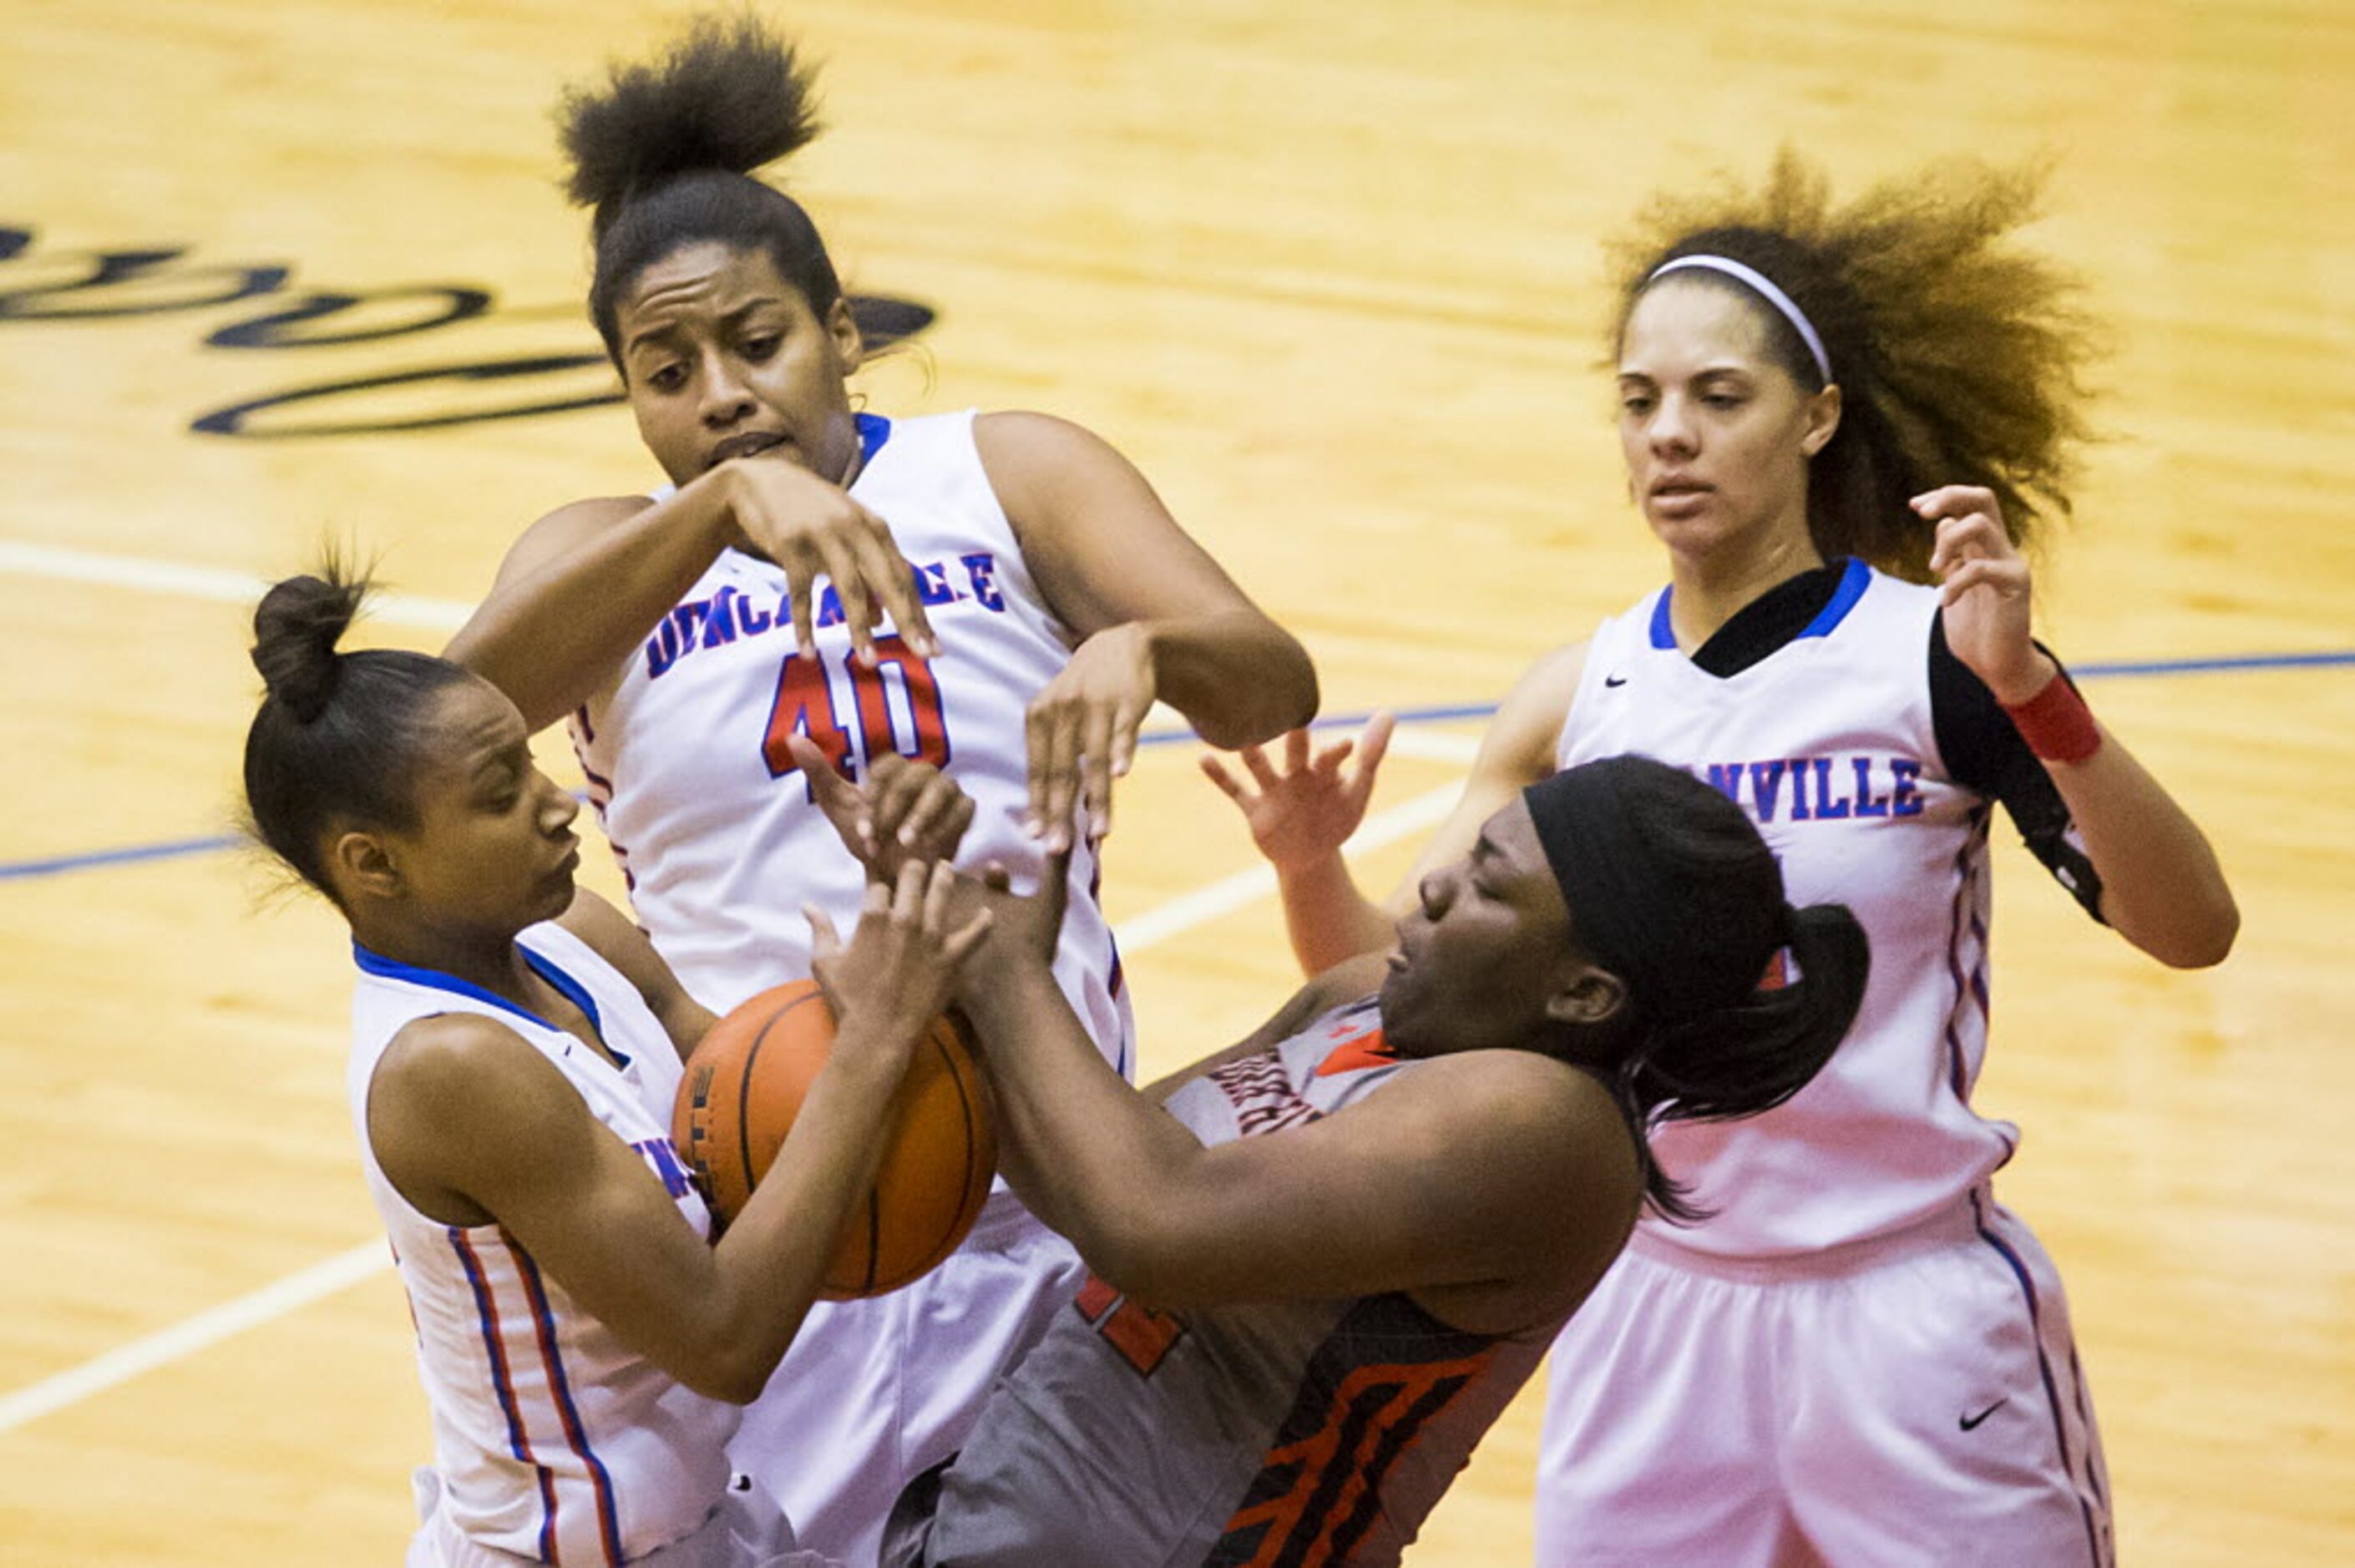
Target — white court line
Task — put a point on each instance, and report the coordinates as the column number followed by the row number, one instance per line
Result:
column 1430, row 746
column 1228, row 894
column 150, row 575
column 209, row 1328
column 185, row 1338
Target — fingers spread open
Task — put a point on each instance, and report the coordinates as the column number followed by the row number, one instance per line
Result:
column 1255, row 758
column 1216, row 771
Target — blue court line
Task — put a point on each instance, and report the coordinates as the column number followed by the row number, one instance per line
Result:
column 59, row 865
column 170, row 850
column 2209, row 666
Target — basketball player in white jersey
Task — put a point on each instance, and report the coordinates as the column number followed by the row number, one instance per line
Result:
column 1858, row 1357
column 1327, row 1257
column 516, row 1049
column 1003, row 597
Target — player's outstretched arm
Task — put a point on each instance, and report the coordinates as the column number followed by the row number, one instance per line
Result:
column 1303, row 812
column 1156, row 617
column 474, row 1127
column 587, row 584
column 1489, row 1184
column 1301, row 809
column 2162, row 886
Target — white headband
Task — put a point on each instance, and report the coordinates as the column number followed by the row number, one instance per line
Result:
column 1764, row 288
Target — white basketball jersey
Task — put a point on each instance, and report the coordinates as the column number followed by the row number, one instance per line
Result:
column 552, row 1439
column 711, row 821
column 1827, row 743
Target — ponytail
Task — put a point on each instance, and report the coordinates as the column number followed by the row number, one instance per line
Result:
column 1671, row 888
column 1752, row 1056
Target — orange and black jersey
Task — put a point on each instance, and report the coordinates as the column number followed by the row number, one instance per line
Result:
column 1271, row 1433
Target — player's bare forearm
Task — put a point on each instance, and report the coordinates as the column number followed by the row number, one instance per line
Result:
column 1238, row 678
column 1328, row 917
column 1079, row 1143
column 581, row 590
column 466, row 1116
column 2162, row 888
column 769, row 1268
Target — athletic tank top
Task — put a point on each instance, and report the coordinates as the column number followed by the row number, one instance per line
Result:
column 1276, row 1432
column 1828, row 743
column 552, row 1439
column 713, row 824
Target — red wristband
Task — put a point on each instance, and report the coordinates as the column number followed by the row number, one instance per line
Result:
column 2056, row 723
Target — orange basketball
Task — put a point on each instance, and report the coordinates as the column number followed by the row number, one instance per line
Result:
column 744, row 1085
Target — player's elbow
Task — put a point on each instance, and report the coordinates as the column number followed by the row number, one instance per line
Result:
column 733, row 1379
column 723, row 1361
column 2206, row 942
column 1280, row 696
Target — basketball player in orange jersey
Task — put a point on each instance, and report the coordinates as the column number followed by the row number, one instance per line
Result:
column 1841, row 423
column 1007, row 598
column 1325, row 1259
column 517, row 1051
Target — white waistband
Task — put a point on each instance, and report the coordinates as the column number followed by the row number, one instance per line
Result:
column 1946, row 1228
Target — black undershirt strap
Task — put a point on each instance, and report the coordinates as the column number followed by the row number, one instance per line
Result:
column 1769, row 622
column 1982, row 748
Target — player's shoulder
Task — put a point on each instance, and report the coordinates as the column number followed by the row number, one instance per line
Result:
column 1498, row 1079
column 1516, row 1103
column 1556, row 670
column 459, row 1075
column 1035, row 456
column 1522, row 738
column 445, row 1056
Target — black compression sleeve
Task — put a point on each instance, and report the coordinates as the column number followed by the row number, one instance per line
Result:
column 1985, row 752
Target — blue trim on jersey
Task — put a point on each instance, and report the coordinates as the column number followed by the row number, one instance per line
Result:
column 1854, row 580
column 576, row 1432
column 874, row 430
column 573, row 990
column 503, row 1386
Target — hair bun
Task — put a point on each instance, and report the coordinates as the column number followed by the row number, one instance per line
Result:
column 295, row 630
column 729, row 95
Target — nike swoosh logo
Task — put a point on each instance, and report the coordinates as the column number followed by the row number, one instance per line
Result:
column 1971, row 1421
column 1614, row 680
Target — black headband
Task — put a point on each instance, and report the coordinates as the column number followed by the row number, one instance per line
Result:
column 1628, row 901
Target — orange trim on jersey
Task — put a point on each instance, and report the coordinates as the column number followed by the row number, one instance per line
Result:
column 1367, row 1050
column 1385, row 1436
column 1141, row 1335
column 1095, row 1298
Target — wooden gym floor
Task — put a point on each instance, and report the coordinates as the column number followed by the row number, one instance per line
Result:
column 1328, row 270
